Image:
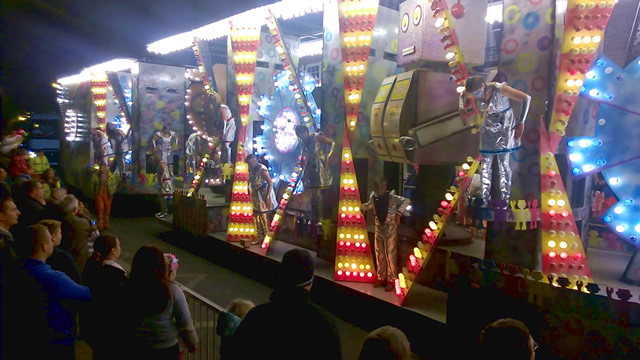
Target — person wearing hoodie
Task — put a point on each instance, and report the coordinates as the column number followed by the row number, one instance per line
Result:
column 229, row 320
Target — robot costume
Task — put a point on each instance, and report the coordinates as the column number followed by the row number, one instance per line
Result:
column 260, row 192
column 101, row 147
column 195, row 148
column 497, row 138
column 385, row 208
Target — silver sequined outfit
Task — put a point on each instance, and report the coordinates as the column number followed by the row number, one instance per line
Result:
column 497, row 141
column 386, row 238
column 259, row 196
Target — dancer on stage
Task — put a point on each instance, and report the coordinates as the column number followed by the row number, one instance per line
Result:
column 262, row 196
column 500, row 132
column 229, row 133
column 163, row 143
column 118, row 140
column 316, row 174
column 387, row 208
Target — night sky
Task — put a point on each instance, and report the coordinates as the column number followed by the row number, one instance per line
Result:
column 45, row 40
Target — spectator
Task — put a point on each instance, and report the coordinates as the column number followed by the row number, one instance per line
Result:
column 54, row 210
column 9, row 214
column 229, row 320
column 50, row 182
column 75, row 232
column 308, row 329
column 39, row 164
column 19, row 167
column 104, row 185
column 105, row 278
column 40, row 327
column 4, row 186
column 158, row 311
column 507, row 339
column 33, row 208
column 60, row 260
column 386, row 343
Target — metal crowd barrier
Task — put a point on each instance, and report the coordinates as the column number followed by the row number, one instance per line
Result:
column 205, row 317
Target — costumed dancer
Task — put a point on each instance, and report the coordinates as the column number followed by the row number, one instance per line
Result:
column 262, row 196
column 387, row 208
column 163, row 143
column 165, row 188
column 194, row 150
column 104, row 185
column 101, row 146
column 118, row 139
column 316, row 175
column 500, row 132
column 229, row 133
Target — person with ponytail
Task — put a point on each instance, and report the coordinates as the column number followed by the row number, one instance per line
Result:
column 157, row 312
column 105, row 277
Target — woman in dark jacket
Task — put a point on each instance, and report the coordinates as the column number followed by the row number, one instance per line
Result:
column 105, row 277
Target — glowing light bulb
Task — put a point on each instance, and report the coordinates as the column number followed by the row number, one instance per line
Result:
column 637, row 228
column 620, row 228
column 450, row 55
column 575, row 157
column 448, row 196
column 570, row 83
column 596, row 39
column 551, row 244
column 614, row 181
column 577, row 40
column 594, row 92
column 439, row 22
column 552, row 202
column 591, row 75
column 561, row 203
column 563, row 245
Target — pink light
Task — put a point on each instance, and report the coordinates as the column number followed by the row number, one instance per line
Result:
column 348, row 243
column 364, row 245
column 461, row 173
column 358, row 216
column 552, row 213
column 341, row 243
column 552, row 254
column 348, row 273
column 413, row 260
column 263, row 245
column 339, row 272
column 564, row 255
column 565, row 213
column 369, row 274
column 343, row 215
column 398, row 289
column 577, row 256
column 428, row 232
column 357, row 244
column 362, row 274
column 353, row 188
column 552, row 173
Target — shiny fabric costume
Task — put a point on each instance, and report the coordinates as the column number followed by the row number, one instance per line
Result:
column 101, row 147
column 497, row 141
column 118, row 141
column 259, row 196
column 165, row 188
column 386, row 238
column 164, row 146
column 195, row 148
column 315, row 175
column 228, row 136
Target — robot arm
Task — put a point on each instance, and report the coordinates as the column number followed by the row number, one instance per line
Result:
column 368, row 205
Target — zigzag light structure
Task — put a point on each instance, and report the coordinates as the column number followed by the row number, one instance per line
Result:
column 307, row 116
column 244, row 48
column 354, row 260
column 99, row 85
column 562, row 253
column 586, row 22
column 432, row 234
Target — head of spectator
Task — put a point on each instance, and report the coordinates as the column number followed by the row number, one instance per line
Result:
column 49, row 176
column 297, row 269
column 3, row 174
column 58, row 194
column 386, row 343
column 240, row 307
column 507, row 339
column 9, row 212
column 22, row 154
column 41, row 244
column 70, row 205
column 148, row 281
column 36, row 191
column 55, row 229
column 106, row 247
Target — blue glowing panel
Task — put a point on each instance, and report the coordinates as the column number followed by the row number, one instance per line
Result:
column 613, row 150
column 624, row 217
column 607, row 82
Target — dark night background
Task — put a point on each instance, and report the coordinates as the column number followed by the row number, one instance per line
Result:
column 44, row 40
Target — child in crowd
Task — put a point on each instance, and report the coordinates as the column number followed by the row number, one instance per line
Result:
column 50, row 182
column 386, row 343
column 104, row 185
column 229, row 320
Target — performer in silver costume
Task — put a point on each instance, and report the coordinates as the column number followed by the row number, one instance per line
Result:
column 262, row 196
column 387, row 206
column 163, row 142
column 316, row 175
column 229, row 133
column 500, row 132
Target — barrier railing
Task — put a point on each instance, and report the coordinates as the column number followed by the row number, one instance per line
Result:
column 205, row 317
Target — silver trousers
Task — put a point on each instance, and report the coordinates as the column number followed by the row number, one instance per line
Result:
column 386, row 251
column 262, row 225
column 504, row 170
